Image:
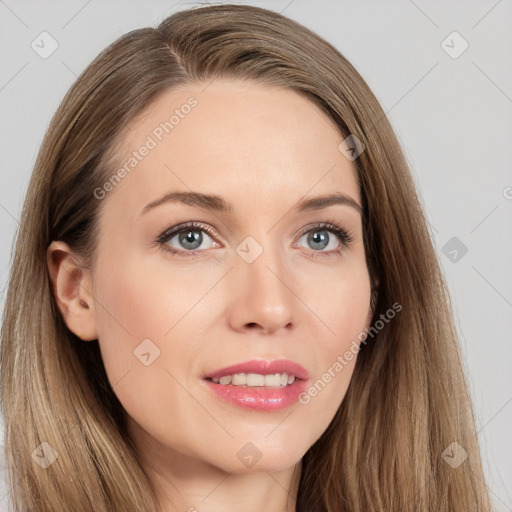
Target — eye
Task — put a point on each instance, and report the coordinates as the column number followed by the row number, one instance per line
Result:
column 188, row 238
column 320, row 236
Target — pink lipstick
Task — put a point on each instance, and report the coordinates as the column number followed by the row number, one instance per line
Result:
column 259, row 384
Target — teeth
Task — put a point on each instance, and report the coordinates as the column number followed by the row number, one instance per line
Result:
column 277, row 380
column 239, row 379
column 253, row 379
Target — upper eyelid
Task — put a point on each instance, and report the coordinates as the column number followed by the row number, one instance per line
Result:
column 171, row 232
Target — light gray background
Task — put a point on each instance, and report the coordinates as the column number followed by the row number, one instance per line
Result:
column 452, row 115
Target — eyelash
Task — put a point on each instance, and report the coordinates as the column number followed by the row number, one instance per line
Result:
column 344, row 235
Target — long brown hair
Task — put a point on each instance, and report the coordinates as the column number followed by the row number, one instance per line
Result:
column 407, row 400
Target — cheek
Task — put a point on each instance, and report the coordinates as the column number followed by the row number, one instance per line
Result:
column 340, row 301
column 137, row 301
column 132, row 313
column 342, row 305
column 146, row 325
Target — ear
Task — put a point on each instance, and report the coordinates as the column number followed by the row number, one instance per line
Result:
column 72, row 289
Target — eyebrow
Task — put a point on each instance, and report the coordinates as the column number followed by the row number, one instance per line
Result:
column 217, row 203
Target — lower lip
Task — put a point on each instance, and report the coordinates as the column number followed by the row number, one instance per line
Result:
column 260, row 398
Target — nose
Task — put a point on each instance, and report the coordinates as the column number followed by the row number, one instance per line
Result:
column 261, row 295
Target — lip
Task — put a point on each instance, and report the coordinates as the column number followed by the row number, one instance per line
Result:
column 260, row 397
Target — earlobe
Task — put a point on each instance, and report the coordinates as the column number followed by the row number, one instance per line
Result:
column 72, row 289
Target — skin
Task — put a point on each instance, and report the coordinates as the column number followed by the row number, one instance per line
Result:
column 263, row 149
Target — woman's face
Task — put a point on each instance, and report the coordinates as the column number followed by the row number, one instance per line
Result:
column 260, row 279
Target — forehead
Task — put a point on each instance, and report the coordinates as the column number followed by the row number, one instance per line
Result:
column 249, row 142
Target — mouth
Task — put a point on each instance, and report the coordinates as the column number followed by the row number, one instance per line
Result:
column 259, row 384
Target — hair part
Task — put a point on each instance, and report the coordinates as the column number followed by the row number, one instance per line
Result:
column 407, row 400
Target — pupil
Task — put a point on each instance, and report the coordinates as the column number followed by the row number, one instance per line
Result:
column 320, row 237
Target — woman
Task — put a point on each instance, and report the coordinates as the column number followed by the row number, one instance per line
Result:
column 224, row 295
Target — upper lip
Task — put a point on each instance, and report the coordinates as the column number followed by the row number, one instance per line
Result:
column 262, row 367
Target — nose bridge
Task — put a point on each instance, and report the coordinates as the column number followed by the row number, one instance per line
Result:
column 264, row 296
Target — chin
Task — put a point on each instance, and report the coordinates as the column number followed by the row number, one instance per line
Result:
column 254, row 457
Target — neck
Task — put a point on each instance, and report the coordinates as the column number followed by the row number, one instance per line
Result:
column 209, row 489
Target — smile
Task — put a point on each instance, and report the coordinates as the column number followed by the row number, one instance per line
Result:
column 259, row 384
